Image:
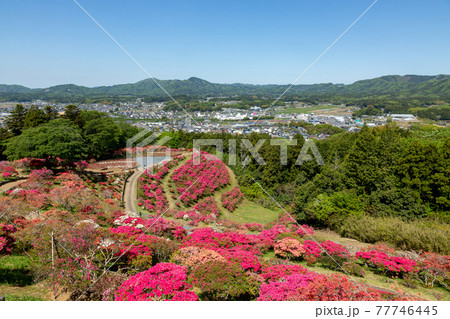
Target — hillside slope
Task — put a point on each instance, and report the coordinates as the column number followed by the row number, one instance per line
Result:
column 407, row 85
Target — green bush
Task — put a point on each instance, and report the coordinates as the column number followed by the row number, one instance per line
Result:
column 415, row 235
column 332, row 209
column 353, row 269
column 333, row 263
column 224, row 281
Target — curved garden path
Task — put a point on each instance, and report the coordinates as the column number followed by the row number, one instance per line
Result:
column 129, row 197
column 7, row 186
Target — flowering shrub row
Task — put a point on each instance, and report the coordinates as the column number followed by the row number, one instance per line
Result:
column 314, row 287
column 153, row 196
column 231, row 199
column 381, row 262
column 155, row 225
column 194, row 181
column 334, row 249
column 165, row 281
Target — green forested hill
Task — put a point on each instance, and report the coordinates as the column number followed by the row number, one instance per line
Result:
column 395, row 86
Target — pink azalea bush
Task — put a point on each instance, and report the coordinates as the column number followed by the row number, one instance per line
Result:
column 6, row 238
column 277, row 272
column 154, row 225
column 154, row 199
column 192, row 256
column 6, row 170
column 165, row 281
column 314, row 287
column 256, row 227
column 207, row 207
column 289, row 248
column 312, row 249
column 195, row 181
column 236, row 248
column 434, row 269
column 205, row 211
column 231, row 199
column 335, row 249
column 381, row 262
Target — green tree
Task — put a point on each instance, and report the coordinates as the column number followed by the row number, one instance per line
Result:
column 333, row 209
column 363, row 164
column 102, row 135
column 87, row 116
column 73, row 113
column 57, row 138
column 34, row 117
column 4, row 135
column 15, row 121
column 50, row 113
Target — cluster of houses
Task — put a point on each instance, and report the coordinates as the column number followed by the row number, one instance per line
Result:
column 228, row 119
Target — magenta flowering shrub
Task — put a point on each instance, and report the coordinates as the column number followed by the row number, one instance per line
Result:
column 381, row 262
column 312, row 249
column 277, row 272
column 154, row 200
column 256, row 227
column 164, row 281
column 335, row 249
column 236, row 248
column 434, row 269
column 302, row 230
column 314, row 287
column 208, row 238
column 6, row 238
column 207, row 206
column 205, row 211
column 274, row 231
column 41, row 174
column 247, row 259
column 195, row 181
column 289, row 288
column 277, row 229
column 231, row 199
column 128, row 231
column 157, row 226
column 6, row 170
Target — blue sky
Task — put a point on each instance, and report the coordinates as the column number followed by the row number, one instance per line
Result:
column 52, row 42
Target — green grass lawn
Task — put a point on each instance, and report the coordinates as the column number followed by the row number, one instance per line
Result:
column 310, row 109
column 250, row 212
column 16, row 280
column 15, row 270
column 22, row 298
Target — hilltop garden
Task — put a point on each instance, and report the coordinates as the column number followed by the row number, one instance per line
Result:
column 64, row 234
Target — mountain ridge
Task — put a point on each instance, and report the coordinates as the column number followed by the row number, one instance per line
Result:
column 409, row 85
